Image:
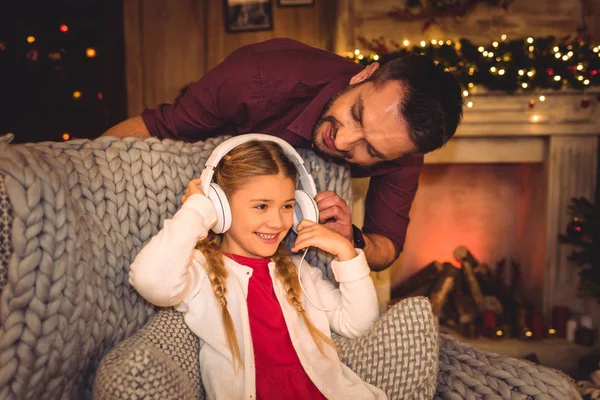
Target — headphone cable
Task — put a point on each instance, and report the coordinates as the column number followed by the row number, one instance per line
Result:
column 302, row 286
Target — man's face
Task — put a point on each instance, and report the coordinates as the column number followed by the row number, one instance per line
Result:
column 363, row 125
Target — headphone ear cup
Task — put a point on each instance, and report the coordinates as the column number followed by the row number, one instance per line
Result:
column 306, row 208
column 221, row 204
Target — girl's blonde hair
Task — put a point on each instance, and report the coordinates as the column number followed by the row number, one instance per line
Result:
column 244, row 162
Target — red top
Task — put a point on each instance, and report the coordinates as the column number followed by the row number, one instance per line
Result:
column 280, row 87
column 279, row 373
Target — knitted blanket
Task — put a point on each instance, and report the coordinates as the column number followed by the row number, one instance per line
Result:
column 82, row 211
column 74, row 215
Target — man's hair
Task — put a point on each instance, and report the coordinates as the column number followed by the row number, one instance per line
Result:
column 432, row 104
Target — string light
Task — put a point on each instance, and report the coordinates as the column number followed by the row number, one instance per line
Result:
column 90, row 52
column 76, row 94
column 586, row 82
column 63, row 28
column 465, row 93
column 30, row 39
column 66, row 136
column 357, row 51
column 535, row 118
column 470, row 104
column 561, row 70
column 542, row 98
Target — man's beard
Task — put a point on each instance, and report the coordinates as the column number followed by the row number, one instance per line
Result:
column 324, row 118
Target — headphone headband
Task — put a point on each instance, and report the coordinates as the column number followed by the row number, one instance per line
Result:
column 221, row 150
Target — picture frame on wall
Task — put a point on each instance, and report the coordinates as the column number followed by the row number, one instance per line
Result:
column 296, row 3
column 247, row 15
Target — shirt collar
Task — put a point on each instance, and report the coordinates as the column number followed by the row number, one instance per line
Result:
column 304, row 123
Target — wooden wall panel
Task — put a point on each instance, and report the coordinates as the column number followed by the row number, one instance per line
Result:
column 312, row 25
column 173, row 44
column 170, row 43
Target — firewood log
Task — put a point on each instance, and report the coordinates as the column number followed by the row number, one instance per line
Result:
column 420, row 283
column 442, row 287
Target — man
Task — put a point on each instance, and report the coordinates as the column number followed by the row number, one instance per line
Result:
column 380, row 120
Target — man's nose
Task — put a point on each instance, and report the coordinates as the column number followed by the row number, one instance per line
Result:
column 346, row 139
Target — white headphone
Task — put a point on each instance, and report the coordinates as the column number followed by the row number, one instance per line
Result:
column 306, row 207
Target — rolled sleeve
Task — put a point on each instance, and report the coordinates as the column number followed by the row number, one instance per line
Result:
column 389, row 199
column 351, row 270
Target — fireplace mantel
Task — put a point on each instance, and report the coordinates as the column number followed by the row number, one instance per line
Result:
column 559, row 133
column 502, row 128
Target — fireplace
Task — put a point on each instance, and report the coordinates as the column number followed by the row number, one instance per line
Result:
column 501, row 188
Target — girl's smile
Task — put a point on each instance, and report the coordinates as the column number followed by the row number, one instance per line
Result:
column 262, row 213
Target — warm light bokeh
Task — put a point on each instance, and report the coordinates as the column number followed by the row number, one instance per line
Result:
column 492, row 209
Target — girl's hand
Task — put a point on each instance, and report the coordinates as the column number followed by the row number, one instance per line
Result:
column 192, row 188
column 317, row 235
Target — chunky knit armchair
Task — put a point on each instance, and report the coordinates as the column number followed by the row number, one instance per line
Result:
column 74, row 215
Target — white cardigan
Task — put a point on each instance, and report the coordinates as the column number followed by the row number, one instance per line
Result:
column 170, row 272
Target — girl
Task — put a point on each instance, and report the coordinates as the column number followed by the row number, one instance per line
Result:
column 240, row 293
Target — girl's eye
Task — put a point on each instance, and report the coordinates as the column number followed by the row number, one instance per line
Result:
column 288, row 206
column 261, row 207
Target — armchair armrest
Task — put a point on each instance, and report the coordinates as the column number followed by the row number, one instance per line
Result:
column 160, row 361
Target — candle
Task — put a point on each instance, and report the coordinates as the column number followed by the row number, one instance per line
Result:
column 586, row 321
column 571, row 329
column 489, row 323
column 560, row 315
column 537, row 325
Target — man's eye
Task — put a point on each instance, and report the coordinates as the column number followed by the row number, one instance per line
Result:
column 354, row 114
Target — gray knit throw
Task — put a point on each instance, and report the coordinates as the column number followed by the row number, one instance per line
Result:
column 82, row 210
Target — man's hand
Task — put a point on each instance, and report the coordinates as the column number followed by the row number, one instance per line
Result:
column 317, row 235
column 334, row 213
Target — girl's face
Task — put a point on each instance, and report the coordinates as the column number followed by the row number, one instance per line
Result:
column 262, row 213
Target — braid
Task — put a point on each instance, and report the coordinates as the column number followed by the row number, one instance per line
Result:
column 287, row 272
column 217, row 274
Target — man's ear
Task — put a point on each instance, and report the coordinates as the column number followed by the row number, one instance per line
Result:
column 364, row 74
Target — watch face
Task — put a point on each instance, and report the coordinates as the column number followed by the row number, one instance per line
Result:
column 359, row 240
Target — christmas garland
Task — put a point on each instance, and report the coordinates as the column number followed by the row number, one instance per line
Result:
column 525, row 64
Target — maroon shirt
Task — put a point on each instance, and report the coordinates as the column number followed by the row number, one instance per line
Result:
column 280, row 87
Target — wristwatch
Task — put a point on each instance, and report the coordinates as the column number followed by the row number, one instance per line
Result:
column 357, row 237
